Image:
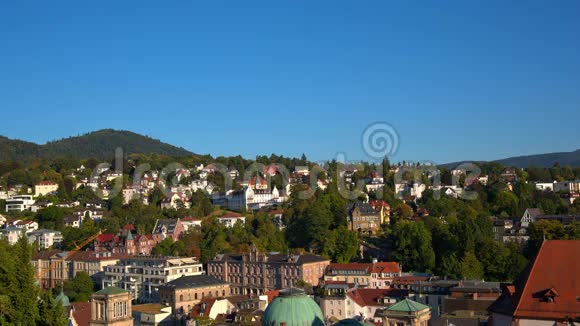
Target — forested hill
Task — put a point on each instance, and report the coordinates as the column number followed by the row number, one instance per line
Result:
column 544, row 160
column 99, row 144
column 547, row 160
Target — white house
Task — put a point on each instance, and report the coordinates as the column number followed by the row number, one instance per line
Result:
column 191, row 222
column 11, row 234
column 543, row 186
column 45, row 188
column 572, row 187
column 230, row 219
column 19, row 203
column 45, row 238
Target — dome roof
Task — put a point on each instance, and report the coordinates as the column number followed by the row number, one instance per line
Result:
column 293, row 307
column 351, row 322
column 63, row 299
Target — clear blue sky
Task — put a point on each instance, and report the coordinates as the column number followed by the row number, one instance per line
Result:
column 458, row 79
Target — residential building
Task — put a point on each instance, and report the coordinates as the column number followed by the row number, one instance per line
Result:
column 473, row 297
column 572, row 187
column 11, row 234
column 176, row 200
column 19, row 203
column 256, row 272
column 374, row 275
column 363, row 218
column 546, row 293
column 530, row 216
column 183, row 293
column 142, row 275
column 45, row 238
column 545, row 186
column 383, row 208
column 431, row 293
column 359, row 303
column 55, row 266
column 229, row 219
column 168, row 228
column 45, row 188
column 190, row 223
column 152, row 314
column 255, row 195
column 111, row 307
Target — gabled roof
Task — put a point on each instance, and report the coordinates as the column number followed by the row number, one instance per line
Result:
column 555, row 270
column 407, row 305
column 386, row 267
column 350, row 267
column 194, row 281
column 535, row 212
column 372, row 297
column 81, row 312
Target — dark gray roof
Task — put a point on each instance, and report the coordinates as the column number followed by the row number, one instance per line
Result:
column 278, row 258
column 195, row 281
column 364, row 208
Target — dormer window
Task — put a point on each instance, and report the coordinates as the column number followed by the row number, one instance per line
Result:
column 550, row 295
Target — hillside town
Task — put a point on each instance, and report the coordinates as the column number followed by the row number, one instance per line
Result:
column 184, row 248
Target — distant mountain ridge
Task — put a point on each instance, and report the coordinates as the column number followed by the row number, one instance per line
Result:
column 99, row 144
column 537, row 160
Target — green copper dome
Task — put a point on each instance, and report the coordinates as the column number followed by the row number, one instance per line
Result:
column 293, row 308
column 62, row 299
column 351, row 322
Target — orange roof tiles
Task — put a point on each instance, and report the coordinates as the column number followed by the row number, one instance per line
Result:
column 554, row 273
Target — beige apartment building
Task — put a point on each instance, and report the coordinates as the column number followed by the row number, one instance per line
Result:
column 257, row 272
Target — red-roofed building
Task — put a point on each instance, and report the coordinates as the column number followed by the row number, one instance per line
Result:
column 359, row 303
column 80, row 314
column 547, row 293
column 375, row 275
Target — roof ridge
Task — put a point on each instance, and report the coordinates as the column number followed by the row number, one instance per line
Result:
column 536, row 259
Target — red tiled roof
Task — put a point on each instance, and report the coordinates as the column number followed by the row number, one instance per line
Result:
column 231, row 214
column 349, row 266
column 105, row 237
column 409, row 279
column 272, row 294
column 47, row 183
column 554, row 273
column 191, row 218
column 81, row 312
column 370, row 297
column 386, row 267
column 376, row 204
column 196, row 310
column 129, row 227
column 45, row 254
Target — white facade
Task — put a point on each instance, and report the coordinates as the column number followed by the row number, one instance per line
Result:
column 142, row 275
column 45, row 188
column 19, row 203
column 11, row 235
column 568, row 186
column 545, row 185
column 45, row 238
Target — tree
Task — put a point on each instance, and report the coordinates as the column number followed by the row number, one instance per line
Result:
column 24, row 292
column 51, row 313
column 470, row 267
column 79, row 288
column 413, row 248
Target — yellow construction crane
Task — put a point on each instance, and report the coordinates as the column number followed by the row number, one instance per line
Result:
column 47, row 272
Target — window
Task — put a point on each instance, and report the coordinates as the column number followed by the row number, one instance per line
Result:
column 181, row 297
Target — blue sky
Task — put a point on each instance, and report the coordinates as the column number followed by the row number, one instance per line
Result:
column 458, row 80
